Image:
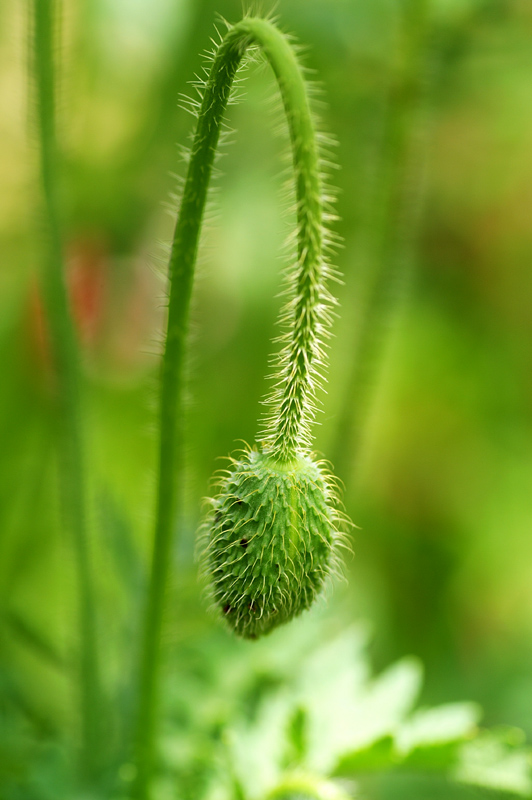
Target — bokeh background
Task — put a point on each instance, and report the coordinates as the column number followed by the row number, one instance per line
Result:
column 427, row 416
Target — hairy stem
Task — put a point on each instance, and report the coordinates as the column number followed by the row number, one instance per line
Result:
column 66, row 373
column 295, row 386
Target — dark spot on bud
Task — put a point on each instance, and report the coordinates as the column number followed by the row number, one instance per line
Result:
column 244, row 542
column 227, row 609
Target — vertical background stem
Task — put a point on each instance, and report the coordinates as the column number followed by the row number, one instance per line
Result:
column 395, row 217
column 66, row 374
column 295, row 381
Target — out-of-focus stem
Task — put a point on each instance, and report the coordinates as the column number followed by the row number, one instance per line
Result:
column 393, row 230
column 66, row 373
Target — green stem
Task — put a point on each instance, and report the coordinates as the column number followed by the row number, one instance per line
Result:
column 301, row 354
column 392, row 228
column 66, row 373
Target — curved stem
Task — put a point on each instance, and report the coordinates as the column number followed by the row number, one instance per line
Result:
column 67, row 394
column 300, row 356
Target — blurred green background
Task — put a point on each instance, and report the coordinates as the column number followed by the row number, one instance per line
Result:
column 427, row 416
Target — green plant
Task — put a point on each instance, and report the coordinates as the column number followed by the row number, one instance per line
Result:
column 273, row 526
column 359, row 727
column 271, row 540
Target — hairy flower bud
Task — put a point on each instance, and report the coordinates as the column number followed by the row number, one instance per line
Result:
column 270, row 541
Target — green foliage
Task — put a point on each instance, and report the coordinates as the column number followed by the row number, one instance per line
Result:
column 498, row 761
column 358, row 726
column 441, row 463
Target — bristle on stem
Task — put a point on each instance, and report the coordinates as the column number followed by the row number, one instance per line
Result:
column 285, row 438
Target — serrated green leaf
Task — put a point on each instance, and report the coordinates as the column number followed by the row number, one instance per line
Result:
column 352, row 712
column 389, row 699
column 492, row 763
column 257, row 748
column 428, row 740
column 430, row 737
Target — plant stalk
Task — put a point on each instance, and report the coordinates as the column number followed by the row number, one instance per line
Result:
column 66, row 376
column 295, row 382
column 393, row 223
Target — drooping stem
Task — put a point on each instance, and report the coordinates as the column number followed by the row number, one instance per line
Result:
column 66, row 374
column 300, row 357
